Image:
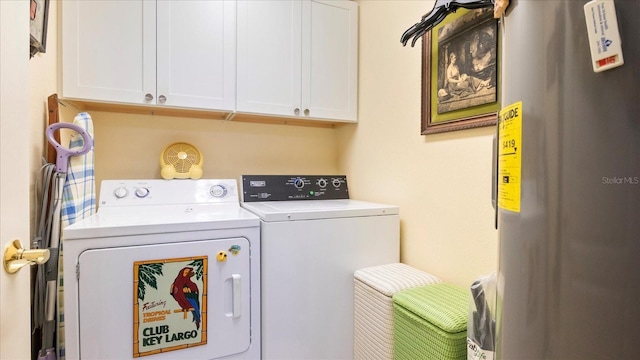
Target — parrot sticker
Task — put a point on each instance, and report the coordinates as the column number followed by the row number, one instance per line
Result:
column 186, row 294
column 170, row 311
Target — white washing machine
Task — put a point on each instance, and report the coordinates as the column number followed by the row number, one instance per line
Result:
column 166, row 269
column 313, row 239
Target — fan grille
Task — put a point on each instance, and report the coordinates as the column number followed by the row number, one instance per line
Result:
column 182, row 156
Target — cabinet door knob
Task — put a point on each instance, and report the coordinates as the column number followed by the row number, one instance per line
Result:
column 148, row 97
column 296, row 111
column 162, row 99
column 306, row 112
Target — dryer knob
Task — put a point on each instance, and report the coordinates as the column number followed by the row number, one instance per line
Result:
column 142, row 192
column 298, row 183
column 120, row 192
column 218, row 191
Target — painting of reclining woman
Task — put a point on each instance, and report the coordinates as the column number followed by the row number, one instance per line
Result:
column 467, row 57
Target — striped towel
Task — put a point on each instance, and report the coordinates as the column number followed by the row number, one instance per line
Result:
column 78, row 202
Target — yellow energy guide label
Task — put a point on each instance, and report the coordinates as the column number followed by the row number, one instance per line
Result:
column 510, row 157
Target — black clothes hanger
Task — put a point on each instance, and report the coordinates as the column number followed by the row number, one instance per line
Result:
column 440, row 10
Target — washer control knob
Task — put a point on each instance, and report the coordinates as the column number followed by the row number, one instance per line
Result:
column 218, row 191
column 336, row 183
column 142, row 192
column 298, row 183
column 322, row 182
column 120, row 192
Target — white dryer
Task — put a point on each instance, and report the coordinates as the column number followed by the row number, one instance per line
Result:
column 313, row 239
column 166, row 269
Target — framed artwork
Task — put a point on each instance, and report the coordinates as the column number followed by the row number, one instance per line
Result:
column 460, row 74
column 38, row 16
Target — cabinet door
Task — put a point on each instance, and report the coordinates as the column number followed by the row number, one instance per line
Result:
column 269, row 57
column 196, row 54
column 330, row 60
column 108, row 50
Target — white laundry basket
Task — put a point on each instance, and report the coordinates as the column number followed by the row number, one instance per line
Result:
column 373, row 306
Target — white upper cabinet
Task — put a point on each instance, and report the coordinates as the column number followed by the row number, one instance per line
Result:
column 108, row 50
column 298, row 58
column 330, row 59
column 169, row 53
column 269, row 56
column 196, row 54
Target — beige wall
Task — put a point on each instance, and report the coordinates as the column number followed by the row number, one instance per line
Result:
column 129, row 146
column 441, row 182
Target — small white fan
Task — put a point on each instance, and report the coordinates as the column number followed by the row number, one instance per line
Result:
column 181, row 161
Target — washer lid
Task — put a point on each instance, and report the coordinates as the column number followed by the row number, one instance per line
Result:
column 317, row 209
column 139, row 220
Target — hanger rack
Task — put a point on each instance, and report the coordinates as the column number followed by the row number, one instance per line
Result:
column 440, row 10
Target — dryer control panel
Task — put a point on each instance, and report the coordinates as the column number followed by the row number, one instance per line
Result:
column 168, row 192
column 293, row 187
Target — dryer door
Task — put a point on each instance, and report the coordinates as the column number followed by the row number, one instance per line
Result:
column 186, row 300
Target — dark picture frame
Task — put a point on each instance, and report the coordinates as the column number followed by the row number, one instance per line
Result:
column 464, row 49
column 38, row 19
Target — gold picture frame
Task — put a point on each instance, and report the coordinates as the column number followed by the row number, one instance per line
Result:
column 460, row 74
